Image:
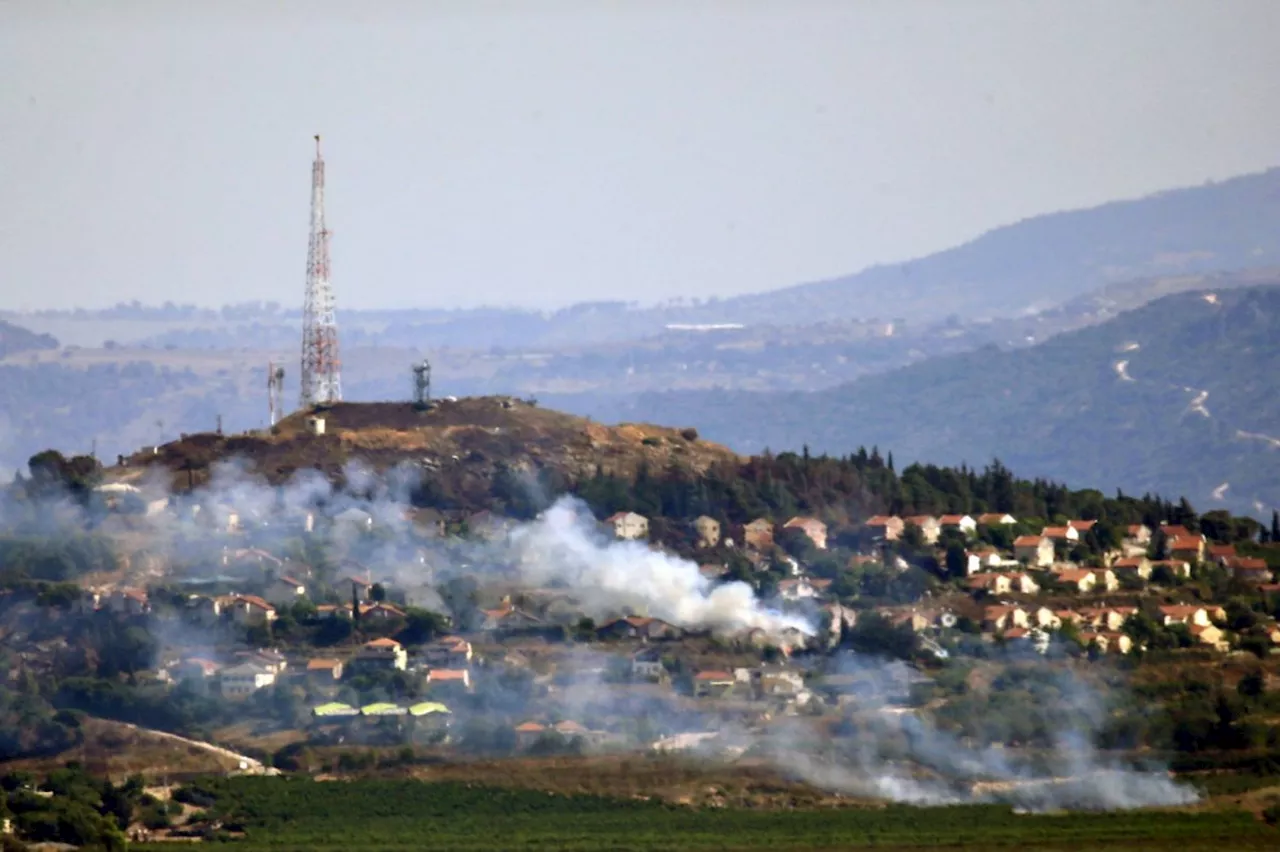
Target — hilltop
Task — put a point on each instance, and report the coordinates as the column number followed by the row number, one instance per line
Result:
column 464, row 443
column 1175, row 397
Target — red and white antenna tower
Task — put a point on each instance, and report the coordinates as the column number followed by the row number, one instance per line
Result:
column 321, row 377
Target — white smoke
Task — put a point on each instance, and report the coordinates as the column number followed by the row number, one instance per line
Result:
column 563, row 545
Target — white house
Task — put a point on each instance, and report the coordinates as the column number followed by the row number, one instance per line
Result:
column 245, row 679
column 628, row 525
column 1035, row 550
column 965, row 523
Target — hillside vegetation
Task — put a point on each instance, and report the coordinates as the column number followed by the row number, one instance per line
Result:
column 1176, row 397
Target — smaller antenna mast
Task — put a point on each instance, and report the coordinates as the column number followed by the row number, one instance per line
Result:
column 275, row 392
column 422, row 384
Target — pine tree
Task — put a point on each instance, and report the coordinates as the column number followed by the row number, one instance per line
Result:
column 1275, row 525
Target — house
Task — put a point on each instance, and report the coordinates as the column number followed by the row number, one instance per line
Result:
column 647, row 665
column 529, row 733
column 1221, row 553
column 1068, row 615
column 1079, row 579
column 885, row 527
column 712, row 571
column 814, row 529
column 249, row 610
column 1082, row 527
column 989, row 557
column 285, row 591
column 1108, row 642
column 447, row 652
column 1067, row 534
column 382, row 654
column 128, row 602
column 1003, row 616
column 995, row 519
column 1106, row 579
column 1178, row 531
column 353, row 519
column 449, row 680
column 965, row 523
column 1249, row 569
column 1035, row 551
column 1133, row 566
column 778, row 681
column 640, row 627
column 1044, row 617
column 928, row 525
column 1178, row 567
column 1139, row 534
column 508, row 617
column 324, row 670
column 244, row 679
column 1208, row 634
column 707, row 531
column 758, row 534
column 271, row 660
column 356, row 588
column 628, row 525
column 801, row 588
column 1023, row 584
column 196, row 670
column 381, row 612
column 996, row 584
column 1184, row 614
column 713, row 683
column 1187, row 547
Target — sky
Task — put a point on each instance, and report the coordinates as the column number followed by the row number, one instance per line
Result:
column 544, row 153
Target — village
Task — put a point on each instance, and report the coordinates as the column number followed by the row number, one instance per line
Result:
column 353, row 653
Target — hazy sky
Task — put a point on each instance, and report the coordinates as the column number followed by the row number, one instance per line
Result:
column 541, row 153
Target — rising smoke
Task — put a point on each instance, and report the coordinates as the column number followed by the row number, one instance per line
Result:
column 891, row 752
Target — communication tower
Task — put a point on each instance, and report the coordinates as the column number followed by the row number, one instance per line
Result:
column 321, row 381
column 275, row 390
column 422, row 384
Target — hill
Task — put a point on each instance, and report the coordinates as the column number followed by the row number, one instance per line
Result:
column 15, row 339
column 1052, row 258
column 1176, row 397
column 466, row 445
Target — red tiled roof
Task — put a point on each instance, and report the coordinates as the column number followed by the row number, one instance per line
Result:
column 880, row 520
column 254, row 600
column 384, row 642
column 1055, row 532
column 1073, row 575
column 1129, row 562
column 446, row 674
column 530, row 728
column 1028, row 541
column 1185, row 542
column 713, row 676
column 1081, row 526
column 322, row 665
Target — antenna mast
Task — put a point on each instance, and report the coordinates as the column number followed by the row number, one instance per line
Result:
column 275, row 390
column 320, row 378
column 422, row 384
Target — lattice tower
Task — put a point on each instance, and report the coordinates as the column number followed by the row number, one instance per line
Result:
column 321, row 378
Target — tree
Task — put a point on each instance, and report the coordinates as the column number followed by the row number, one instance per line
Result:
column 377, row 593
column 957, row 560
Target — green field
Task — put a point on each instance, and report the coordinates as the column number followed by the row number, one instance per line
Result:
column 299, row 814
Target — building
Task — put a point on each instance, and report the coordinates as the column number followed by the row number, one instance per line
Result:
column 382, row 654
column 776, row 681
column 1139, row 534
column 529, row 733
column 1208, row 634
column 1108, row 642
column 995, row 519
column 1079, row 579
column 996, row 584
column 1023, row 584
column 1248, row 569
column 447, row 652
column 965, row 523
column 242, row 680
column 802, row 588
column 707, row 531
column 814, row 529
column 1187, row 547
column 1184, row 614
column 640, row 627
column 1035, row 551
column 647, row 665
column 508, row 618
column 324, row 670
column 1067, row 534
column 885, row 527
column 928, row 525
column 1221, row 553
column 713, row 683
column 249, row 610
column 285, row 591
column 628, row 525
column 381, row 611
column 128, row 602
column 1133, row 566
column 758, row 534
column 1082, row 527
column 1003, row 617
column 449, row 680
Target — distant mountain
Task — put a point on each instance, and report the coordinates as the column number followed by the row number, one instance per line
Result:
column 1180, row 396
column 1050, row 259
column 15, row 339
